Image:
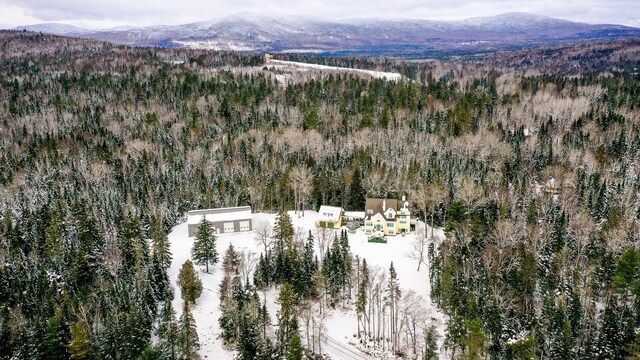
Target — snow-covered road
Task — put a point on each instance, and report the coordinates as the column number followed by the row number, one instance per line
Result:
column 341, row 351
column 372, row 73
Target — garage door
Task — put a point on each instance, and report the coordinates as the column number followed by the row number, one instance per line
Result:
column 228, row 227
column 245, row 225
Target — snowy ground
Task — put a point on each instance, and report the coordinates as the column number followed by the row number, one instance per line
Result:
column 341, row 325
column 374, row 74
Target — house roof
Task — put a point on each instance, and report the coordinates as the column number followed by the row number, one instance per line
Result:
column 219, row 214
column 329, row 213
column 374, row 206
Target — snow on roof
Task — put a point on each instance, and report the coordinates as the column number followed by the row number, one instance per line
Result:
column 329, row 213
column 354, row 214
column 219, row 214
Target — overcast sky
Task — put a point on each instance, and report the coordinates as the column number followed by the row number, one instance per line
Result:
column 109, row 13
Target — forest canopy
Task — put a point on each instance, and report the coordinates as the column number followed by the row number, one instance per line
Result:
column 534, row 175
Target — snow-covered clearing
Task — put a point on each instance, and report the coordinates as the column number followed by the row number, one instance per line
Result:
column 372, row 73
column 341, row 324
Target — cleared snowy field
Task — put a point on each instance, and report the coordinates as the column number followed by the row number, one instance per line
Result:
column 341, row 325
column 375, row 74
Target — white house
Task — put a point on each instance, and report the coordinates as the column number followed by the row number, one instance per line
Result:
column 223, row 220
column 330, row 217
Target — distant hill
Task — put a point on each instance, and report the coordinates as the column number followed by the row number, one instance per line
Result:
column 403, row 37
column 55, row 28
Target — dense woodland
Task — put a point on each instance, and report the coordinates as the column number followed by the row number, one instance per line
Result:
column 534, row 175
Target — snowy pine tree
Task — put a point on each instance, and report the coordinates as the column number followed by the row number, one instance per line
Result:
column 287, row 318
column 169, row 334
column 189, row 342
column 204, row 246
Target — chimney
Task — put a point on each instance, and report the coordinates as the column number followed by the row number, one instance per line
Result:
column 384, row 205
column 404, row 198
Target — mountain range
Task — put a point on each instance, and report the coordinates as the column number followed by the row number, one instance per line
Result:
column 402, row 37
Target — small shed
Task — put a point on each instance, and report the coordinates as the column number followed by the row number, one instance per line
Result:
column 223, row 220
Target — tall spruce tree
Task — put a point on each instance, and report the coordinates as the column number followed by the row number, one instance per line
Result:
column 356, row 192
column 189, row 342
column 134, row 248
column 393, row 295
column 283, row 232
column 296, row 351
column 204, row 247
column 361, row 297
column 309, row 266
column 53, row 346
column 346, row 262
column 430, row 351
column 161, row 246
column 169, row 334
column 287, row 317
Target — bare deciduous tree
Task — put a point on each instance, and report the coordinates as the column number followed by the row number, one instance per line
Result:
column 373, row 183
column 418, row 248
column 248, row 263
column 301, row 182
column 469, row 192
column 324, row 238
column 264, row 233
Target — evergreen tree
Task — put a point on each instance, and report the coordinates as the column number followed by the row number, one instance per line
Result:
column 260, row 275
column 189, row 283
column 309, row 266
column 252, row 340
column 169, row 333
column 135, row 252
column 204, row 247
column 296, row 351
column 249, row 341
column 361, row 297
column 393, row 295
column 475, row 340
column 53, row 345
column 86, row 263
column 560, row 335
column 53, row 237
column 231, row 260
column 346, row 262
column 189, row 342
column 334, row 269
column 430, row 344
column 161, row 246
column 80, row 346
column 160, row 282
column 287, row 318
column 610, row 341
column 133, row 334
column 356, row 192
column 283, row 232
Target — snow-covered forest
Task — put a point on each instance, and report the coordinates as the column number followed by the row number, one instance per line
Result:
column 529, row 179
column 341, row 281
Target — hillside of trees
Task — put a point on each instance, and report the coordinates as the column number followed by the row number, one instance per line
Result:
column 533, row 173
